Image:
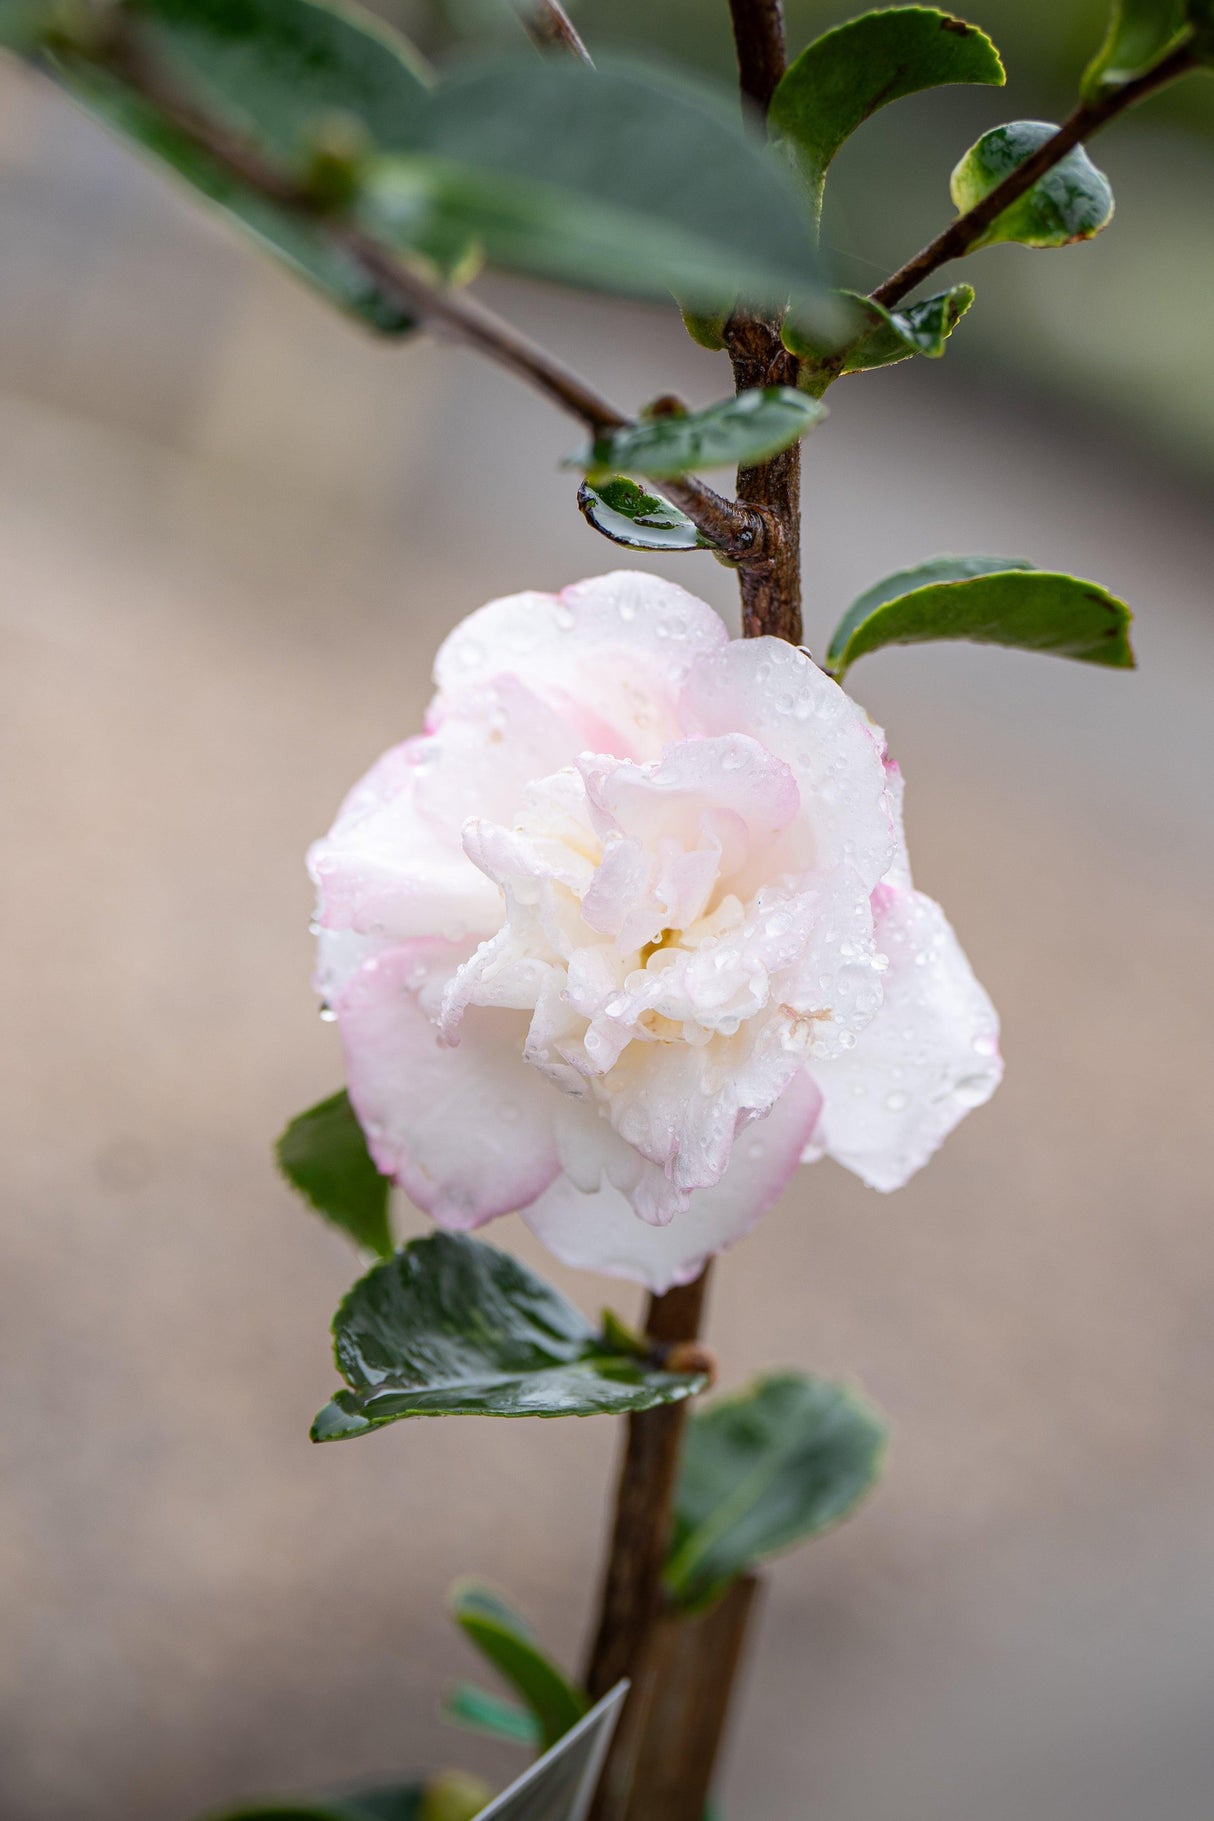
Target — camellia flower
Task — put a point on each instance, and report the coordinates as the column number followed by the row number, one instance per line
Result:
column 629, row 931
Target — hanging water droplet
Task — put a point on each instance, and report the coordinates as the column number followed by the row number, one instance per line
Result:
column 327, row 1014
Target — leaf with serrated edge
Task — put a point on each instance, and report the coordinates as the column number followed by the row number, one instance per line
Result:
column 989, row 601
column 848, row 73
column 733, row 432
column 453, row 1327
column 777, row 1463
column 918, row 328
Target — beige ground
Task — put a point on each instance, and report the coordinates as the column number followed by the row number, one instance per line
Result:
column 231, row 533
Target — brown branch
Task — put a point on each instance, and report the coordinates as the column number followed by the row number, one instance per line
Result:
column 547, row 24
column 632, row 1586
column 742, row 534
column 758, row 33
column 770, row 588
column 1086, row 119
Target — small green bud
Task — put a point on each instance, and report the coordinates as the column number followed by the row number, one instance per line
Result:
column 454, row 1796
column 337, row 153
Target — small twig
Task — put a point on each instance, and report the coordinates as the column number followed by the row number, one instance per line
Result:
column 741, row 533
column 547, row 24
column 1086, row 119
column 758, row 32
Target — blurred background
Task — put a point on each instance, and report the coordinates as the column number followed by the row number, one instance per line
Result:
column 232, row 532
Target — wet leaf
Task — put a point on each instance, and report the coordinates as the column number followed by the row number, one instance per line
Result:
column 848, row 73
column 763, row 1470
column 323, row 1154
column 1071, row 202
column 917, row 328
column 507, row 1641
column 990, row 601
column 628, row 514
column 735, row 432
column 453, row 1327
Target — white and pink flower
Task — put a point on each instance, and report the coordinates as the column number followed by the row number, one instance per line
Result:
column 629, row 931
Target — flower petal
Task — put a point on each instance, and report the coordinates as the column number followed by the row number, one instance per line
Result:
column 599, row 1231
column 777, row 694
column 393, row 864
column 928, row 1057
column 467, row 1132
column 611, row 653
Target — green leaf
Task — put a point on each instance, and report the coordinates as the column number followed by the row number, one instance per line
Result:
column 272, row 73
column 1140, row 33
column 324, row 1155
column 618, row 179
column 507, row 1641
column 23, row 24
column 627, row 514
column 272, row 69
column 478, row 1710
column 848, row 73
column 776, row 1464
column 918, row 328
column 991, row 601
column 1071, row 202
column 453, row 1327
column 735, row 432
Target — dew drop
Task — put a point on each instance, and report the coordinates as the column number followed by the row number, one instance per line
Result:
column 327, row 1014
column 898, row 1101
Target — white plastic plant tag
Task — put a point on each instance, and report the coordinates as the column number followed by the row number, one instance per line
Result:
column 559, row 1786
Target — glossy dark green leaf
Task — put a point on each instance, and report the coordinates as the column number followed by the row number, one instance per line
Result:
column 990, row 601
column 734, row 432
column 1140, row 33
column 479, row 1711
column 505, row 1639
column 271, row 73
column 628, row 514
column 324, row 1155
column 453, row 1327
column 917, row 328
column 777, row 1463
column 619, row 178
column 1071, row 202
column 848, row 73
